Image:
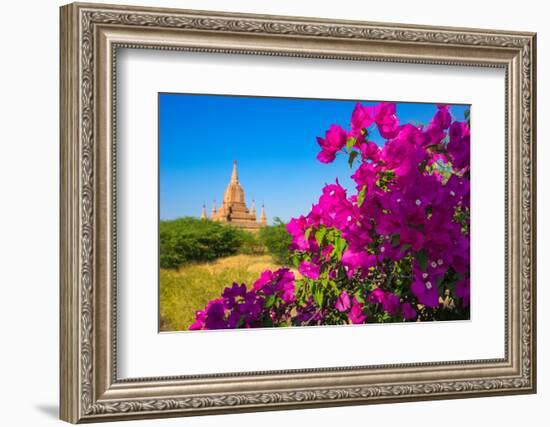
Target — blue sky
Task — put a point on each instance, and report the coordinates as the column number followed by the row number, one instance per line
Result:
column 273, row 141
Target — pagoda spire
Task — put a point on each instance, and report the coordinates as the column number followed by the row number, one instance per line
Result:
column 263, row 220
column 214, row 212
column 253, row 208
column 234, row 176
column 203, row 213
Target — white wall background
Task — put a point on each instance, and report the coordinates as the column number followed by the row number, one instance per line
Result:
column 29, row 171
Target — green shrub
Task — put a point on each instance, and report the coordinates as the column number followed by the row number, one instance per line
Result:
column 277, row 240
column 250, row 244
column 189, row 239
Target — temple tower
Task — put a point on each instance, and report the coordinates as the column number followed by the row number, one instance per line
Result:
column 253, row 209
column 214, row 212
column 263, row 220
column 233, row 209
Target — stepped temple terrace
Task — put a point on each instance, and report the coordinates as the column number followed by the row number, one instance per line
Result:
column 233, row 209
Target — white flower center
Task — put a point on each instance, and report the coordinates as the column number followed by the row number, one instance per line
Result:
column 453, row 193
column 349, row 218
column 331, row 193
column 418, row 202
column 424, row 275
column 428, row 285
column 434, row 264
column 398, row 200
column 440, row 261
column 382, row 249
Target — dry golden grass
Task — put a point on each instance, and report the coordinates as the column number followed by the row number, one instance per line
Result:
column 189, row 288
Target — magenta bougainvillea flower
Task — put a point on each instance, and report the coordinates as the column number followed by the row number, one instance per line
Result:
column 425, row 291
column 409, row 313
column 361, row 118
column 356, row 315
column 335, row 138
column 343, row 302
column 459, row 144
column 392, row 251
column 353, row 261
column 309, row 269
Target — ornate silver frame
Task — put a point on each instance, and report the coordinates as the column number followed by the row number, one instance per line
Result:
column 90, row 36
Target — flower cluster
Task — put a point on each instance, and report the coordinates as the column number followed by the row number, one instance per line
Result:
column 266, row 304
column 390, row 252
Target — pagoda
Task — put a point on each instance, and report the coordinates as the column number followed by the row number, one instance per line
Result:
column 233, row 209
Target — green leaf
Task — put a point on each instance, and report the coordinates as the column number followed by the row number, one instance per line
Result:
column 359, row 297
column 320, row 235
column 267, row 322
column 308, row 233
column 339, row 245
column 422, row 259
column 318, row 296
column 352, row 157
column 350, row 143
column 269, row 301
column 395, row 238
column 240, row 322
column 361, row 196
column 422, row 165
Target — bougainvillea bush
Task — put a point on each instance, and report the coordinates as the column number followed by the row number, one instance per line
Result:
column 396, row 250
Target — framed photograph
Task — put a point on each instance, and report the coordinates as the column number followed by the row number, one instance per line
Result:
column 266, row 212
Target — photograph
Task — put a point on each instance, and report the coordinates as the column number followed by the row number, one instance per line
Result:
column 279, row 209
column 283, row 212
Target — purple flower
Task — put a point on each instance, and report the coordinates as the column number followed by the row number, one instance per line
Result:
column 408, row 311
column 285, row 285
column 426, row 292
column 326, row 251
column 403, row 155
column 366, row 176
column 342, row 302
column 326, row 156
column 442, row 118
column 376, row 296
column 334, row 140
column 309, row 269
column 353, row 261
column 439, row 123
column 459, row 144
column 235, row 290
column 356, row 315
column 265, row 277
column 215, row 316
column 462, row 290
column 369, row 151
column 386, row 120
column 200, row 317
column 390, row 303
column 362, row 117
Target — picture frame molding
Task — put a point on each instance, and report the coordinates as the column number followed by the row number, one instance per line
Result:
column 89, row 39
